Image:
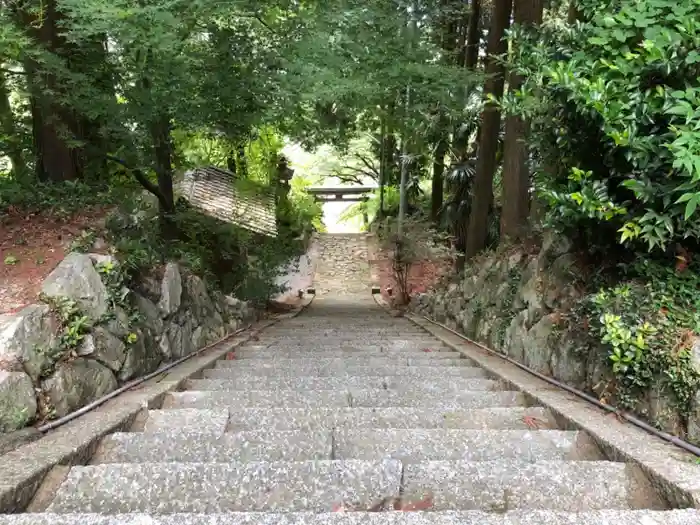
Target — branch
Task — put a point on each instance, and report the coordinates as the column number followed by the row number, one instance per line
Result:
column 140, row 176
column 369, row 165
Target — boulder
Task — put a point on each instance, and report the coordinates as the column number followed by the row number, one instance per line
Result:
column 105, row 347
column 76, row 383
column 537, row 348
column 26, row 338
column 694, row 420
column 17, row 401
column 142, row 356
column 200, row 302
column 149, row 312
column 119, row 324
column 75, row 278
column 171, row 291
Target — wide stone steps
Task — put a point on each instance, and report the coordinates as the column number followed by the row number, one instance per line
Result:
column 271, row 419
column 339, row 362
column 408, row 445
column 527, row 517
column 341, row 370
column 494, row 486
column 340, row 398
column 347, row 407
column 306, row 383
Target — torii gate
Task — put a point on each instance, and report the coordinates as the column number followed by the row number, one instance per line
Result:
column 342, row 193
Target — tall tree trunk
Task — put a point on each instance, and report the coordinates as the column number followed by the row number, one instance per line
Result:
column 573, row 14
column 461, row 143
column 382, row 164
column 491, row 121
column 163, row 147
column 516, row 176
column 438, row 183
column 242, row 161
column 7, row 125
column 54, row 125
column 473, row 37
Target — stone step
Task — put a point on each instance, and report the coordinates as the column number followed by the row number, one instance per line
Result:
column 339, row 362
column 416, row 445
column 164, row 488
column 348, row 398
column 340, row 383
column 528, row 517
column 258, row 398
column 324, row 371
column 509, row 484
column 407, row 445
column 516, row 418
column 203, row 447
column 416, row 398
column 354, row 340
column 284, row 353
column 326, row 345
column 187, row 420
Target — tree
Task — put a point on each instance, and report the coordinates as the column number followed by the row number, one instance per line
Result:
column 516, row 176
column 482, row 198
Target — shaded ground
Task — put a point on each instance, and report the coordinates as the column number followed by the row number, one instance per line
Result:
column 30, row 248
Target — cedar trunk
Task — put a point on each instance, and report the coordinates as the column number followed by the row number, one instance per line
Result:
column 516, row 177
column 13, row 149
column 491, row 122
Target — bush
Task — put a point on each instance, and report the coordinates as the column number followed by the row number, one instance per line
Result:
column 614, row 105
column 230, row 258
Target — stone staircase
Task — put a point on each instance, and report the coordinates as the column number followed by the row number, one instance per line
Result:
column 343, row 266
column 340, row 416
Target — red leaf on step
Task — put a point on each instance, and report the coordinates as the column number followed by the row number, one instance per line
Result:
column 427, row 349
column 533, row 423
column 230, row 356
column 424, row 504
column 338, row 507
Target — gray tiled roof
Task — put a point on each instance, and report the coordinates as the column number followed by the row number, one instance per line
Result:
column 217, row 193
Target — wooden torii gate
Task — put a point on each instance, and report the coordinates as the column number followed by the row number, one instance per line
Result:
column 342, row 193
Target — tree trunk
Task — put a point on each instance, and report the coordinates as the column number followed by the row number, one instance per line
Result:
column 472, row 56
column 54, row 125
column 491, row 121
column 13, row 148
column 573, row 14
column 382, row 165
column 438, row 187
column 163, row 147
column 516, row 176
column 461, row 143
column 242, row 162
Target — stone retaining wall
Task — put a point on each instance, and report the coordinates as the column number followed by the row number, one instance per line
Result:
column 516, row 302
column 90, row 335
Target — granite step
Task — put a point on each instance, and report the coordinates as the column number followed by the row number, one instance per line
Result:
column 528, row 517
column 163, row 488
column 326, row 345
column 416, row 445
column 281, row 352
column 204, row 447
column 349, row 398
column 340, row 362
column 311, row 369
column 510, row 484
column 274, row 419
column 340, row 383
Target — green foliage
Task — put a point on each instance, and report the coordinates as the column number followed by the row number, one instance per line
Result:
column 299, row 211
column 648, row 326
column 617, row 99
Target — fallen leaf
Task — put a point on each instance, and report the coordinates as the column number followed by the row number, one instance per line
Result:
column 338, row 507
column 427, row 349
column 533, row 423
column 230, row 356
column 424, row 504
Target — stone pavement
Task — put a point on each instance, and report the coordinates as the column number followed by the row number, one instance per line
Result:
column 344, row 415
